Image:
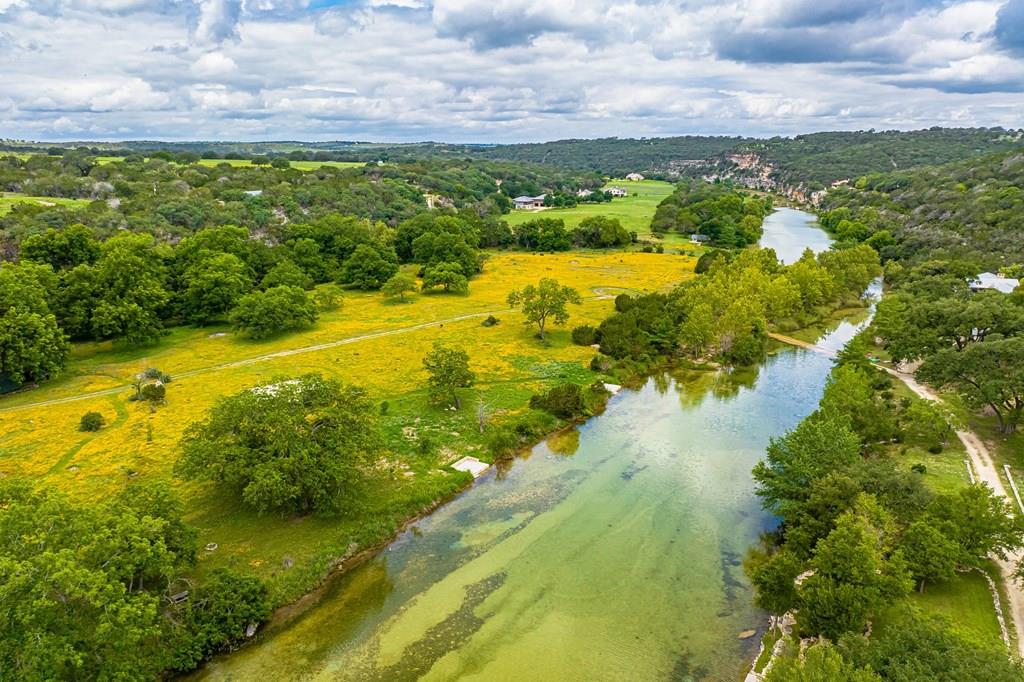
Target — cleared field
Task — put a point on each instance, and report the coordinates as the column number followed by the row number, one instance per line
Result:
column 634, row 211
column 9, row 199
column 370, row 342
column 244, row 163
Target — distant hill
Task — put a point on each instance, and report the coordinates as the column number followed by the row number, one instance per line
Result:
column 617, row 157
column 797, row 165
column 971, row 209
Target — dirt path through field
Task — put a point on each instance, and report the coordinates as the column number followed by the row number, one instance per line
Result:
column 602, row 294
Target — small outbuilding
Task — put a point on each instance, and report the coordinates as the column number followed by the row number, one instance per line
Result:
column 634, row 177
column 699, row 238
column 617, row 192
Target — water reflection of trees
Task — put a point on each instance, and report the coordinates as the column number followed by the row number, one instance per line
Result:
column 693, row 386
column 565, row 442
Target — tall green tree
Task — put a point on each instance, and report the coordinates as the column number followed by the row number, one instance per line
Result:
column 853, row 578
column 816, row 446
column 548, row 299
column 931, row 556
column 286, row 273
column 213, row 287
column 447, row 371
column 293, row 444
column 821, row 662
column 62, row 248
column 32, row 346
column 449, row 276
column 989, row 374
column 80, row 584
column 399, row 285
column 131, row 283
column 265, row 313
column 366, row 268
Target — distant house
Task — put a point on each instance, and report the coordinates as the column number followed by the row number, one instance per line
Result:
column 617, row 192
column 634, row 177
column 254, row 192
column 990, row 280
column 699, row 238
column 529, row 202
column 583, row 193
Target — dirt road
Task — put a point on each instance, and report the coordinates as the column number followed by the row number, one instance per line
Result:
column 985, row 471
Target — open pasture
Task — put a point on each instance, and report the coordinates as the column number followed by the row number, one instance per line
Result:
column 634, row 211
column 9, row 199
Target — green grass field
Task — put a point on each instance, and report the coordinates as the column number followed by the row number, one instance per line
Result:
column 965, row 600
column 370, row 342
column 634, row 211
column 9, row 199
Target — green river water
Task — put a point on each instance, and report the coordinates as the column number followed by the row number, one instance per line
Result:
column 611, row 552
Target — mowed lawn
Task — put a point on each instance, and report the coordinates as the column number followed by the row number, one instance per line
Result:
column 243, row 163
column 9, row 199
column 381, row 348
column 634, row 211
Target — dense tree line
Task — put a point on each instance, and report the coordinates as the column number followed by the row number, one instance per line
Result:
column 814, row 159
column 165, row 240
column 818, row 159
column 171, row 200
column 725, row 216
column 726, row 312
column 860, row 531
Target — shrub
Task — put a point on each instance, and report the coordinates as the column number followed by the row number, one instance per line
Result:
column 425, row 445
column 533, row 425
column 491, row 321
column 584, row 335
column 385, row 407
column 91, row 421
column 156, row 375
column 502, row 442
column 565, row 400
column 154, row 393
column 219, row 614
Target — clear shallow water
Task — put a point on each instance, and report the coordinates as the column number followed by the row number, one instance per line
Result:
column 790, row 231
column 610, row 552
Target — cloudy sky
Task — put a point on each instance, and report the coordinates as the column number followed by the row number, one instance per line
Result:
column 502, row 70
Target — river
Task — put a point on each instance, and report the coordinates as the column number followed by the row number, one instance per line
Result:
column 609, row 552
column 790, row 231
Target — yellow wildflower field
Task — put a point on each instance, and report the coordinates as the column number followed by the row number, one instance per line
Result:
column 370, row 342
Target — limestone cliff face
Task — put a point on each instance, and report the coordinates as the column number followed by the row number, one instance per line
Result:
column 747, row 169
